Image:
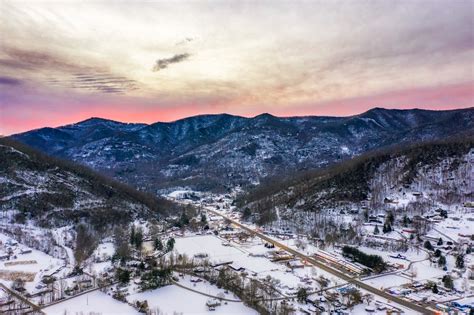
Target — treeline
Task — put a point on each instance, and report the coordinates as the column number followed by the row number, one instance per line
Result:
column 374, row 262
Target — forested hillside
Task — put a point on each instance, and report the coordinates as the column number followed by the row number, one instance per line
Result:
column 54, row 192
column 397, row 178
column 219, row 152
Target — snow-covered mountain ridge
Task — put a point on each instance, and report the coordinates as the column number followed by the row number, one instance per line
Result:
column 215, row 152
column 52, row 192
column 416, row 178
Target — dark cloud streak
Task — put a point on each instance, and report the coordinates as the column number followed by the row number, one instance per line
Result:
column 102, row 82
column 165, row 62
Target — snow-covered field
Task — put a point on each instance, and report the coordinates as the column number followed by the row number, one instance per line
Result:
column 387, row 281
column 171, row 299
column 96, row 302
column 455, row 226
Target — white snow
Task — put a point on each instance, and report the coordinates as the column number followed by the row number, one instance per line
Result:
column 96, row 302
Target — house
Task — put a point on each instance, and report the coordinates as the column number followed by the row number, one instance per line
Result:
column 212, row 304
column 294, row 264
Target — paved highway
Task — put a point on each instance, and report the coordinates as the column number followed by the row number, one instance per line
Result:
column 329, row 269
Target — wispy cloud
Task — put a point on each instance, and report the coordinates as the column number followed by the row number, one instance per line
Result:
column 161, row 64
column 28, row 59
column 103, row 82
column 184, row 41
column 62, row 72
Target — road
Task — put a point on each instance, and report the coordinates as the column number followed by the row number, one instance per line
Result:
column 326, row 268
column 20, row 297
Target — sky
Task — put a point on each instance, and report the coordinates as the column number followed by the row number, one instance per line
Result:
column 148, row 61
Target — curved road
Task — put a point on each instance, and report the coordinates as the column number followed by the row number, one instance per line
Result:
column 331, row 270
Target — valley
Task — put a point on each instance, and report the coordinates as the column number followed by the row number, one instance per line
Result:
column 230, row 265
column 388, row 230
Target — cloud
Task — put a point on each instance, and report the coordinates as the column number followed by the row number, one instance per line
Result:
column 9, row 81
column 61, row 71
column 184, row 41
column 92, row 80
column 103, row 82
column 28, row 59
column 165, row 62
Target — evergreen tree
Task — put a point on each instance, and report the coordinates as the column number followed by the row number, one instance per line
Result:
column 442, row 260
column 158, row 244
column 406, row 221
column 138, row 241
column 376, row 230
column 428, row 245
column 437, row 253
column 435, row 289
column 247, row 213
column 440, row 242
column 132, row 235
column 390, row 218
column 448, row 282
column 460, row 261
column 184, row 220
column 386, row 228
column 170, row 244
column 302, row 295
column 122, row 275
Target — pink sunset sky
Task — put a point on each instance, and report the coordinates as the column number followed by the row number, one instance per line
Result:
column 133, row 61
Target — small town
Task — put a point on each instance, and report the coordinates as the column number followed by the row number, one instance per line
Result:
column 226, row 268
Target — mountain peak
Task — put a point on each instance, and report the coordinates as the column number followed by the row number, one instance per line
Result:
column 265, row 116
column 96, row 120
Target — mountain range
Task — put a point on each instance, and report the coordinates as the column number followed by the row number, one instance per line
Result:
column 218, row 152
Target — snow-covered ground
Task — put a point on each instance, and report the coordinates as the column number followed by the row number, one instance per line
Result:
column 411, row 255
column 249, row 256
column 387, row 281
column 96, row 302
column 456, row 226
column 35, row 262
column 171, row 299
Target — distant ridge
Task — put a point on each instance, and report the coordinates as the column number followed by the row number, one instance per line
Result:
column 220, row 151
